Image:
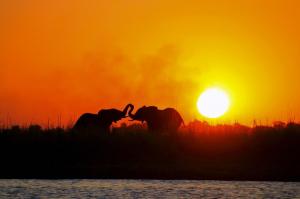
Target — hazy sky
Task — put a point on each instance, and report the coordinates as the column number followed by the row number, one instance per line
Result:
column 66, row 57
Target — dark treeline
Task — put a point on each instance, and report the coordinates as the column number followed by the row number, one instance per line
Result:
column 197, row 151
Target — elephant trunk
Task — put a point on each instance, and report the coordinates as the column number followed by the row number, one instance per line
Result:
column 130, row 112
column 126, row 109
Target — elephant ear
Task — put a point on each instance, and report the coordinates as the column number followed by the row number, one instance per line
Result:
column 104, row 115
column 116, row 115
column 153, row 108
column 100, row 113
column 150, row 112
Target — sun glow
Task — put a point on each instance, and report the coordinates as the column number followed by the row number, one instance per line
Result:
column 213, row 103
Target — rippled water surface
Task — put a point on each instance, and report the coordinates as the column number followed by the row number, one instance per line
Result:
column 146, row 189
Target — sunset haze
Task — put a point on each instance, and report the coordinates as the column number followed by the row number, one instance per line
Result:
column 59, row 59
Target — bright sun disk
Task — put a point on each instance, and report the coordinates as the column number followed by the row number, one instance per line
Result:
column 213, row 103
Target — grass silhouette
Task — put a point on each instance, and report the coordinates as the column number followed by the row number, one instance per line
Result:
column 197, row 151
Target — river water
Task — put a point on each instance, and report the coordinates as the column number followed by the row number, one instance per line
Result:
column 147, row 189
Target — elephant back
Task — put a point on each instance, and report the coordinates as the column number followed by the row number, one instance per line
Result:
column 87, row 122
column 172, row 118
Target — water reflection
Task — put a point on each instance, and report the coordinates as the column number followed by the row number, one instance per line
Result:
column 146, row 189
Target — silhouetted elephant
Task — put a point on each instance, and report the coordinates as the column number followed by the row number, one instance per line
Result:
column 158, row 120
column 92, row 123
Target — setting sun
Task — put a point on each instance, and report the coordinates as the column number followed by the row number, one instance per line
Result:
column 213, row 103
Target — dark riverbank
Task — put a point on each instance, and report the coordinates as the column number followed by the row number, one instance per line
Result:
column 199, row 152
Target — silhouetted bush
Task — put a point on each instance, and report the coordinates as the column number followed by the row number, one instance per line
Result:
column 197, row 151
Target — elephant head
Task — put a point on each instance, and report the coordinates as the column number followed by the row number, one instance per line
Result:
column 113, row 115
column 158, row 120
column 144, row 113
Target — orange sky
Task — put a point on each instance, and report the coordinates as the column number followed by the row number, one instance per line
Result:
column 69, row 57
